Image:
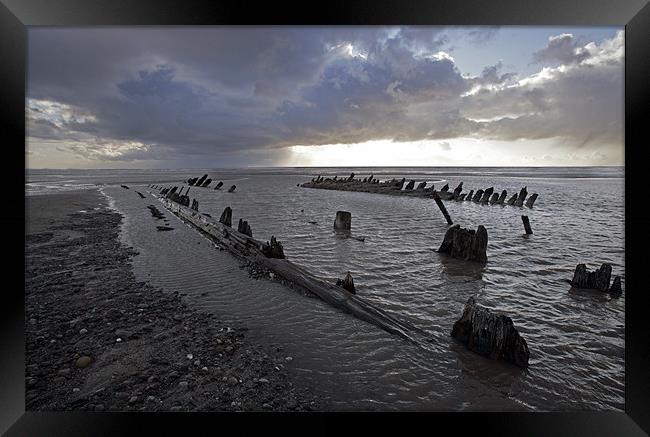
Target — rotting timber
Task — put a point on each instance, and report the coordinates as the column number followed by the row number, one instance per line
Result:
column 262, row 254
column 399, row 187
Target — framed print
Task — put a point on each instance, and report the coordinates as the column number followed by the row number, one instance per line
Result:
column 419, row 208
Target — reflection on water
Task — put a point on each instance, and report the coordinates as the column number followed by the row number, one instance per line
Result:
column 576, row 338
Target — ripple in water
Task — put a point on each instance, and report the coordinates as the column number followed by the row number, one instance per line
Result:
column 576, row 338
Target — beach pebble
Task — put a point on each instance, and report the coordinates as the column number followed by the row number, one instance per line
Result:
column 84, row 362
column 133, row 400
column 118, row 340
column 289, row 358
column 263, row 381
column 83, row 331
column 151, row 398
column 183, row 384
column 190, row 356
column 232, row 380
column 75, row 390
column 205, row 369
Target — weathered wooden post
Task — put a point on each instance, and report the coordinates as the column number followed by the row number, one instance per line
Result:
column 529, row 230
column 531, row 200
column 465, row 244
column 273, row 249
column 410, row 185
column 486, row 195
column 502, row 197
column 343, row 221
column 441, row 205
column 244, row 228
column 522, row 196
column 347, row 283
column 226, row 217
column 489, row 334
column 232, row 189
column 597, row 280
column 219, row 185
column 457, row 191
column 200, row 181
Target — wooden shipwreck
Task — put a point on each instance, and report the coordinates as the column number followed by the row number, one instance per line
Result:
column 270, row 256
column 399, row 187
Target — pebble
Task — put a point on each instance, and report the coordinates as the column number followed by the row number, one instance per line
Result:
column 266, row 405
column 84, row 362
column 183, row 384
column 197, row 362
column 232, row 380
column 75, row 390
column 133, row 400
column 289, row 358
column 83, row 331
column 263, row 381
column 151, row 398
column 118, row 340
column 190, row 356
column 99, row 407
column 205, row 369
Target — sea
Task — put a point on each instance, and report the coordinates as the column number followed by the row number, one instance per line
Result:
column 576, row 338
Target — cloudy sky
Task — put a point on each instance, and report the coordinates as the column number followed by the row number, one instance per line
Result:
column 321, row 96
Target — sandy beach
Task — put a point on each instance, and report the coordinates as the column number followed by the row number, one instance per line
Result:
column 97, row 339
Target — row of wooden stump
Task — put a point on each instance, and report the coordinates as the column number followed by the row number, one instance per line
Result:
column 400, row 187
column 204, row 182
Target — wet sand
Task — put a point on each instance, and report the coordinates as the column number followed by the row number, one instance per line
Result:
column 147, row 349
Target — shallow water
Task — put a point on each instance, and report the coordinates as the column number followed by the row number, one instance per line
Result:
column 576, row 338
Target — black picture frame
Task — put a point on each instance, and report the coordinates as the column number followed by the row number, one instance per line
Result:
column 16, row 15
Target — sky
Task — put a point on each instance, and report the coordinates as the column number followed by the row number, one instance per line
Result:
column 227, row 97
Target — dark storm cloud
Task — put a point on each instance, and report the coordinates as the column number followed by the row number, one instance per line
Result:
column 232, row 94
